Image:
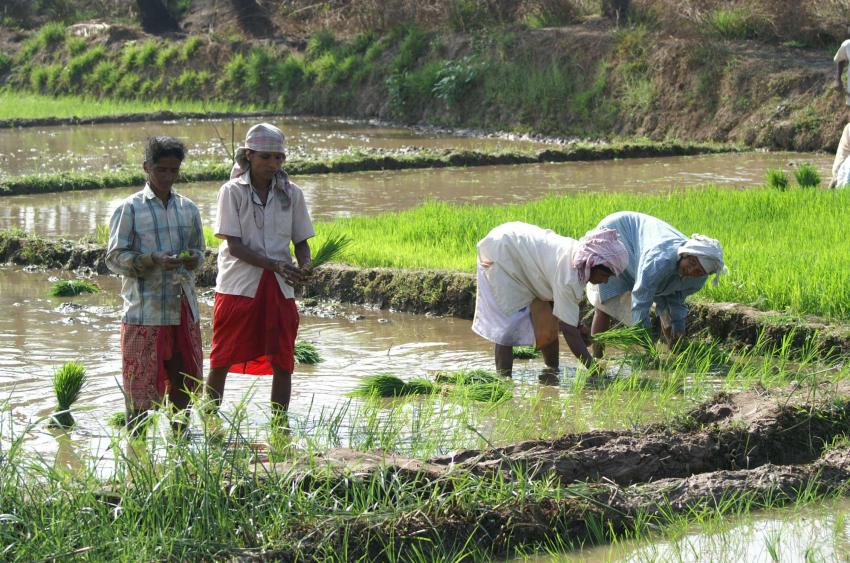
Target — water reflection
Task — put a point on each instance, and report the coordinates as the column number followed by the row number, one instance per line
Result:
column 328, row 196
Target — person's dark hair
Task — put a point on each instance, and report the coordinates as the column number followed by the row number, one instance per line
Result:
column 605, row 269
column 163, row 147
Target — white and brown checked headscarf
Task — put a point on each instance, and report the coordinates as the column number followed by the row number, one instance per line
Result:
column 263, row 137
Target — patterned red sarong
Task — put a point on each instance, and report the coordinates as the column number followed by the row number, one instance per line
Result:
column 146, row 348
column 252, row 333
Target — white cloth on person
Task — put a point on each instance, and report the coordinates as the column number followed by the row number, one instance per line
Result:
column 709, row 253
column 513, row 329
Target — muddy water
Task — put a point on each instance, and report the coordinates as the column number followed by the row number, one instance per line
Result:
column 815, row 533
column 115, row 146
column 337, row 195
column 38, row 333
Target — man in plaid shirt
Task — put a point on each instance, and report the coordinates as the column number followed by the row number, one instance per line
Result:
column 156, row 242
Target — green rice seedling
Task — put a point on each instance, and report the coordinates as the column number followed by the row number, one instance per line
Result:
column 117, row 419
column 306, row 353
column 68, row 381
column 469, row 377
column 389, row 385
column 776, row 179
column 493, row 392
column 525, row 352
column 626, row 337
column 807, row 175
column 330, row 249
column 102, row 234
column 70, row 288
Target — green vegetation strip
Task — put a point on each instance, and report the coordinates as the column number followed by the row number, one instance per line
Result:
column 366, row 161
column 21, row 109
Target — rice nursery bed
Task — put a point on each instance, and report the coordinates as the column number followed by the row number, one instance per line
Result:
column 421, row 480
column 786, row 250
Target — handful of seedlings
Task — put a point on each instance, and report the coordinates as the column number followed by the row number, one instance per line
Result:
column 184, row 254
column 330, row 250
column 641, row 350
column 69, row 288
column 68, row 381
column 478, row 385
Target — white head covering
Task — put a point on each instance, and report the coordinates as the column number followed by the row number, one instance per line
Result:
column 263, row 137
column 709, row 253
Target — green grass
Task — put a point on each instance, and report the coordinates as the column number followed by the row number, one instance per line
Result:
column 20, row 105
column 807, row 176
column 525, row 352
column 786, row 251
column 70, row 288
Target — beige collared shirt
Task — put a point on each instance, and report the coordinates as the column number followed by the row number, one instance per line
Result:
column 267, row 230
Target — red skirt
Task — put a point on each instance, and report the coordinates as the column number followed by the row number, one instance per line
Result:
column 250, row 334
column 146, row 348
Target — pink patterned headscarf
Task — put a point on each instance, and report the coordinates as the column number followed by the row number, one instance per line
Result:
column 600, row 247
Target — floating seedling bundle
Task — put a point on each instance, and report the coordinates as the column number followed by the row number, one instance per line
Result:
column 307, row 353
column 69, row 288
column 68, row 382
column 525, row 352
column 477, row 385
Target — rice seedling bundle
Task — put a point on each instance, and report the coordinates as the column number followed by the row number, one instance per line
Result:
column 330, row 249
column 69, row 288
column 807, row 176
column 626, row 337
column 389, row 385
column 68, row 382
column 525, row 352
column 307, row 353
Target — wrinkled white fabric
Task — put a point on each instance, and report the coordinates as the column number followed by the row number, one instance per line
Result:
column 514, row 329
column 709, row 253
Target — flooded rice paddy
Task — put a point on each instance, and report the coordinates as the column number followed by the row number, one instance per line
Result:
column 38, row 333
column 120, row 146
column 76, row 214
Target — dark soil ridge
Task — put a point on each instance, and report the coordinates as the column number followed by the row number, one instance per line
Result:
column 370, row 162
column 755, row 447
column 163, row 115
column 445, row 293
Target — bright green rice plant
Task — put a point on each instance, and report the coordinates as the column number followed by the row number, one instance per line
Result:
column 68, row 381
column 807, row 175
column 307, row 353
column 626, row 337
column 776, row 179
column 117, row 419
column 330, row 249
column 70, row 288
column 389, row 385
column 525, row 352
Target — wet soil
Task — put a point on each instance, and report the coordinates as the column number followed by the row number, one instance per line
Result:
column 436, row 292
column 758, row 447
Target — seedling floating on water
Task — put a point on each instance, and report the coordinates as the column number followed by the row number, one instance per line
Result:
column 117, row 419
column 526, row 352
column 68, row 381
column 185, row 254
column 389, row 385
column 330, row 250
column 807, row 176
column 69, row 288
column 306, row 353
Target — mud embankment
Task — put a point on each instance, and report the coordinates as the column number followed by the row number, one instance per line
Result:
column 446, row 293
column 371, row 161
column 757, row 448
column 164, row 115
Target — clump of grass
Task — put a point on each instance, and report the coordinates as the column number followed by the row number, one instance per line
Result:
column 307, row 353
column 807, row 176
column 469, row 377
column 69, row 288
column 68, row 381
column 525, row 352
column 330, row 249
column 776, row 179
column 390, row 385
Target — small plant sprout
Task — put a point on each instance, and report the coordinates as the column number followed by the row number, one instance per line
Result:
column 184, row 254
column 807, row 176
column 117, row 419
column 68, row 381
column 776, row 179
column 389, row 385
column 69, row 288
column 330, row 249
column 306, row 353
